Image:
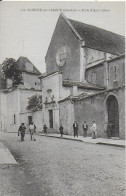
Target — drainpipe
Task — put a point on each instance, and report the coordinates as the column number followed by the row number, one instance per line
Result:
column 82, row 61
column 106, row 76
column 19, row 107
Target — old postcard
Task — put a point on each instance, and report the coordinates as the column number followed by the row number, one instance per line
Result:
column 62, row 98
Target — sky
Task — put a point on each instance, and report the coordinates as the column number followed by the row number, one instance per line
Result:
column 24, row 32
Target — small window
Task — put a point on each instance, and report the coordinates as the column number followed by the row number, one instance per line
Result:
column 35, row 83
column 115, row 72
column 93, row 77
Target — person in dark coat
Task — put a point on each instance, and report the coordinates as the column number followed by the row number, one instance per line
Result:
column 21, row 131
column 45, row 129
column 109, row 130
column 75, row 128
column 85, row 128
column 61, row 130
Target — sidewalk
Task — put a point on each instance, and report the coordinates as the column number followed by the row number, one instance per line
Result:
column 102, row 141
column 5, row 156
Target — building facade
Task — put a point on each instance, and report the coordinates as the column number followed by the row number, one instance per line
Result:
column 85, row 78
column 14, row 100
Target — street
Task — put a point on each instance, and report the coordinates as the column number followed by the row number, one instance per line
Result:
column 57, row 167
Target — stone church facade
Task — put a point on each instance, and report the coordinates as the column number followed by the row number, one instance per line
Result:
column 85, row 78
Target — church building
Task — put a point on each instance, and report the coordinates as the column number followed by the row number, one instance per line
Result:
column 85, row 78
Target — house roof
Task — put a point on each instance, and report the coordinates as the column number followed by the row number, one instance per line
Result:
column 21, row 64
column 100, row 39
column 83, row 85
column 116, row 58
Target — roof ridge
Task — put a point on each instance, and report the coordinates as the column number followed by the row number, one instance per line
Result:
column 90, row 25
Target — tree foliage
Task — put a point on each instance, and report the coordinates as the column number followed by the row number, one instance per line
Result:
column 10, row 70
column 34, row 103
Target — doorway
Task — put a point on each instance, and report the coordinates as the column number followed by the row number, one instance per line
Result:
column 113, row 115
column 51, row 118
column 29, row 119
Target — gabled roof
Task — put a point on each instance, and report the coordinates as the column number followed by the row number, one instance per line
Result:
column 21, row 64
column 97, row 38
column 83, row 85
column 100, row 39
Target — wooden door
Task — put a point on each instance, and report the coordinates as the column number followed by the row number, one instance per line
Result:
column 51, row 118
column 113, row 115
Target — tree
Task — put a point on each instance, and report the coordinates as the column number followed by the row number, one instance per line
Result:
column 10, row 70
column 34, row 103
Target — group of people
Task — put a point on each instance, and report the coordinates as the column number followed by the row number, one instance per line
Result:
column 85, row 129
column 32, row 129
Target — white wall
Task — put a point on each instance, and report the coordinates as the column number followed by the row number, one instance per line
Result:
column 30, row 81
column 53, row 82
column 15, row 103
column 24, row 95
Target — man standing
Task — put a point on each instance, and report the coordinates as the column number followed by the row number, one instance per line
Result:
column 94, row 130
column 21, row 131
column 75, row 128
column 45, row 129
column 32, row 131
column 85, row 128
column 61, row 130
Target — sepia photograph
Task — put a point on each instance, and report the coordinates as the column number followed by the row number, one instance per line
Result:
column 62, row 98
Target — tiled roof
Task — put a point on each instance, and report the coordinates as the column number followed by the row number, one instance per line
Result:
column 100, row 39
column 84, row 85
column 21, row 64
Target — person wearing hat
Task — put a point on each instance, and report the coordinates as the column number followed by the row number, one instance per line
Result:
column 21, row 131
column 75, row 128
column 61, row 130
column 85, row 128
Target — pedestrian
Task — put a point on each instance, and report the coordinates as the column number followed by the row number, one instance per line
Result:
column 21, row 131
column 94, row 130
column 75, row 128
column 61, row 130
column 32, row 131
column 45, row 129
column 34, row 128
column 85, row 128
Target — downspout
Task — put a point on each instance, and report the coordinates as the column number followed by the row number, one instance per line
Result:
column 106, row 71
column 82, row 61
column 19, row 108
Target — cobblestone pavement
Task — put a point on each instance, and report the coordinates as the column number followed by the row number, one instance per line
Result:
column 56, row 167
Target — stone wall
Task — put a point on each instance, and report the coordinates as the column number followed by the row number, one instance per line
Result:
column 93, row 55
column 23, row 98
column 63, row 36
column 116, row 69
column 96, row 75
column 36, row 117
column 13, row 109
column 30, row 81
column 67, row 116
column 90, row 109
column 52, row 87
column 95, row 108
